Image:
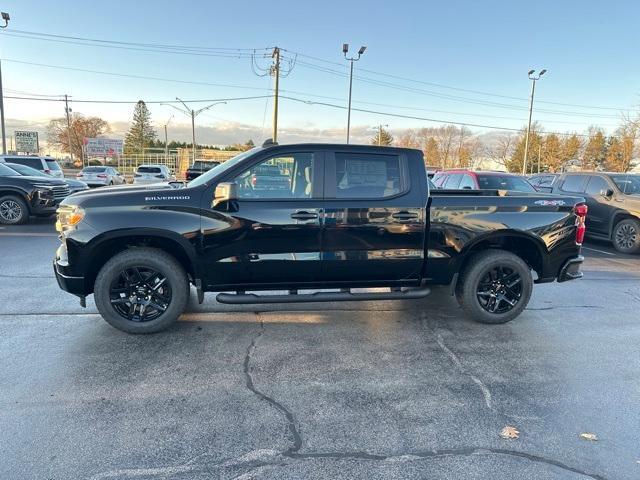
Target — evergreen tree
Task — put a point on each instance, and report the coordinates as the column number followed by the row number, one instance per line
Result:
column 514, row 164
column 383, row 137
column 141, row 134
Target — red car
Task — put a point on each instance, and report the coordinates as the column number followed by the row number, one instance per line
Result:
column 469, row 180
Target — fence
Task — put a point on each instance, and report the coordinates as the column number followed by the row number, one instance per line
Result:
column 177, row 160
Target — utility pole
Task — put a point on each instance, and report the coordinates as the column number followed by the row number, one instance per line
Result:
column 67, row 110
column 275, row 71
column 380, row 133
column 345, row 50
column 533, row 79
column 6, row 18
column 193, row 135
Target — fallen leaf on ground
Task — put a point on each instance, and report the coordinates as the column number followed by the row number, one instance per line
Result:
column 589, row 436
column 509, row 432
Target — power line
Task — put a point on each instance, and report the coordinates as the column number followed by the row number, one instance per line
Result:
column 411, row 117
column 450, row 87
column 136, row 101
column 237, row 52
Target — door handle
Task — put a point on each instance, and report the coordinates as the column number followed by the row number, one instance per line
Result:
column 404, row 216
column 304, row 215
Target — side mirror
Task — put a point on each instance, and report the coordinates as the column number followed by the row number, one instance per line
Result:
column 608, row 193
column 225, row 192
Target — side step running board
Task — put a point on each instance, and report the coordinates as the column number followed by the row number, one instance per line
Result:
column 249, row 298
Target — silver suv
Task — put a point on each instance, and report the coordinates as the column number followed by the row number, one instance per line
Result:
column 48, row 165
column 153, row 174
column 100, row 176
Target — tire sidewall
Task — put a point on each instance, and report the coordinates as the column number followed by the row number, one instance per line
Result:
column 23, row 207
column 636, row 225
column 476, row 270
column 142, row 257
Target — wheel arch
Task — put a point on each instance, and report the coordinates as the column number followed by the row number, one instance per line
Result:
column 526, row 246
column 9, row 190
column 102, row 248
column 617, row 217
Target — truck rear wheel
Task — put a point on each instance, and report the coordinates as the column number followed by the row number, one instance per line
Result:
column 494, row 287
column 141, row 290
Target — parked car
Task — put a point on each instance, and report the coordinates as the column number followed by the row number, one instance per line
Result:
column 153, row 174
column 21, row 196
column 470, row 180
column 199, row 167
column 48, row 165
column 74, row 185
column 99, row 176
column 543, row 182
column 352, row 216
column 614, row 205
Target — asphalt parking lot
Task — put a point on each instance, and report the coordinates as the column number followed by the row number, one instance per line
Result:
column 353, row 390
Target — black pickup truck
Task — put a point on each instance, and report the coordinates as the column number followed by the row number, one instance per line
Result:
column 351, row 217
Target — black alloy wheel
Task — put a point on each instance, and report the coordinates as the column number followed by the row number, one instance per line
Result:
column 140, row 294
column 499, row 290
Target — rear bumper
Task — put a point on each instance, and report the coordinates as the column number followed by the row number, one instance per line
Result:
column 571, row 269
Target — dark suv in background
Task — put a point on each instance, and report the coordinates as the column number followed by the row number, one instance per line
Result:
column 21, row 196
column 614, row 205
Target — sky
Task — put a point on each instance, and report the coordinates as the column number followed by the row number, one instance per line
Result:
column 464, row 61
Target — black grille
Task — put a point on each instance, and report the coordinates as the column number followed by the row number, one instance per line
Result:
column 60, row 192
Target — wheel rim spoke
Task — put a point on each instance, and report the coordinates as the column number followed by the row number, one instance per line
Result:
column 499, row 289
column 140, row 294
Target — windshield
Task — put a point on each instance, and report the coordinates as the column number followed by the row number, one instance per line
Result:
column 148, row 169
column 7, row 172
column 223, row 167
column 52, row 164
column 629, row 184
column 28, row 171
column 504, row 182
column 94, row 169
column 202, row 165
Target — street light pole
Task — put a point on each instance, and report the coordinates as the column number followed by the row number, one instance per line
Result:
column 345, row 50
column 166, row 140
column 6, row 18
column 533, row 78
column 193, row 114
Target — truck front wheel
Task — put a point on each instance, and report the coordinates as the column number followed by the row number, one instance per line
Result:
column 494, row 287
column 141, row 290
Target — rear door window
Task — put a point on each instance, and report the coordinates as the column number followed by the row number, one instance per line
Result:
column 369, row 175
column 574, row 183
column 52, row 164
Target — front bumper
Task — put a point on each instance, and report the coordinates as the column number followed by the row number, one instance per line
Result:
column 69, row 283
column 571, row 269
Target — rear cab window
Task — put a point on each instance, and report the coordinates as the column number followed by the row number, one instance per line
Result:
column 368, row 176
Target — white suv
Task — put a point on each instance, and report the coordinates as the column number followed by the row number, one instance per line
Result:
column 153, row 174
column 46, row 165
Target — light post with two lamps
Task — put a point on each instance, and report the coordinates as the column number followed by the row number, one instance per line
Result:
column 345, row 50
column 534, row 79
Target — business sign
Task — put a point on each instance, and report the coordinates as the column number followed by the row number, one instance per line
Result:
column 26, row 142
column 103, row 147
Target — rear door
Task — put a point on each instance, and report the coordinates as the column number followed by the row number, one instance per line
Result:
column 272, row 235
column 374, row 217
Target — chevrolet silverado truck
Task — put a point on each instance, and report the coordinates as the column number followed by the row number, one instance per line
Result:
column 350, row 218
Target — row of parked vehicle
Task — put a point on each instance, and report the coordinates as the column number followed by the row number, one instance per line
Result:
column 613, row 199
column 35, row 185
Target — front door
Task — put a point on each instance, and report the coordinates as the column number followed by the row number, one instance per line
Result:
column 272, row 233
column 600, row 208
column 374, row 219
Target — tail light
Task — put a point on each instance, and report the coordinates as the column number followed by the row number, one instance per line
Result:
column 101, row 175
column 79, row 174
column 581, row 216
column 254, row 180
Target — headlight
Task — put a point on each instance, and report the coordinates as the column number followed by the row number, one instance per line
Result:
column 44, row 191
column 68, row 216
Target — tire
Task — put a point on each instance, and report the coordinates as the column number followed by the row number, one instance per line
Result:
column 494, row 277
column 111, row 183
column 113, row 292
column 13, row 210
column 626, row 236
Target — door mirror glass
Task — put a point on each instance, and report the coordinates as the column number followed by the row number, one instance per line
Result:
column 606, row 193
column 225, row 192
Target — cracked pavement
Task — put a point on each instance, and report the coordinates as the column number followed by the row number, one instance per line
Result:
column 350, row 390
